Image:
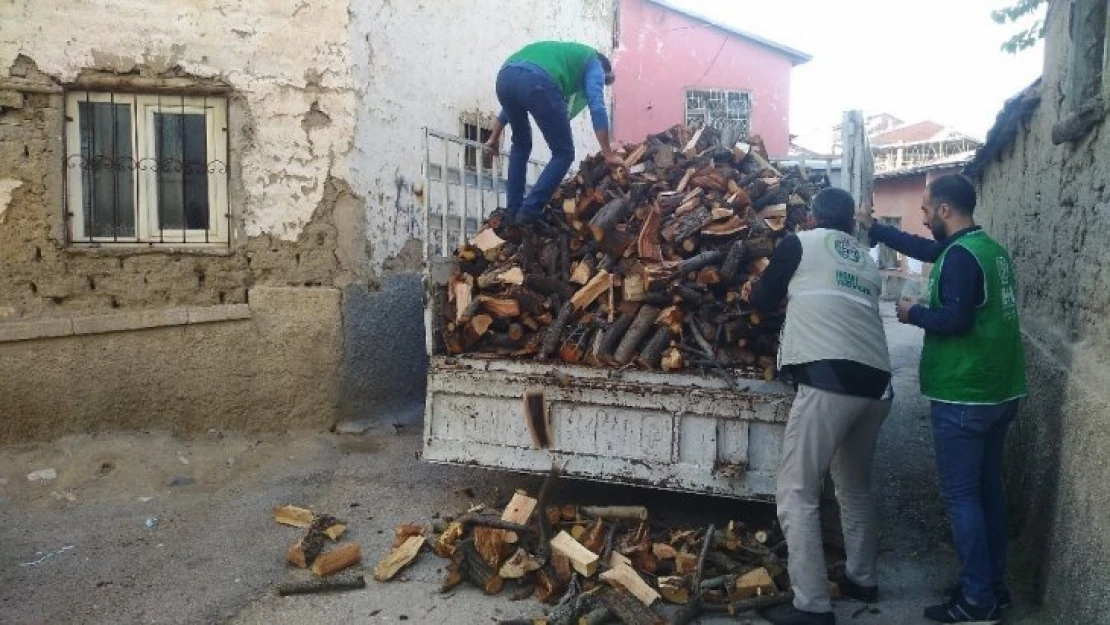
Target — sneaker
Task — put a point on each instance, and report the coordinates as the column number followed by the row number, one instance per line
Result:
column 1001, row 596
column 789, row 615
column 852, row 590
column 960, row 611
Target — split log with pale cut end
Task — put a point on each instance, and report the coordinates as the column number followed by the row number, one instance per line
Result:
column 461, row 288
column 635, row 156
column 583, row 271
column 519, row 565
column 502, row 308
column 338, row 559
column 685, row 180
column 672, row 360
column 398, row 559
column 647, row 244
column 293, row 516
column 754, row 583
column 627, row 578
column 406, row 531
column 613, row 213
column 691, row 148
column 583, row 560
column 444, row 546
column 489, row 542
column 520, row 509
column 600, row 283
column 488, row 243
column 512, row 275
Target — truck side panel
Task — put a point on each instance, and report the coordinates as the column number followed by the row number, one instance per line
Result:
column 682, row 432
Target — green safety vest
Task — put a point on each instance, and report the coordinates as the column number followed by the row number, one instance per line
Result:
column 985, row 365
column 566, row 64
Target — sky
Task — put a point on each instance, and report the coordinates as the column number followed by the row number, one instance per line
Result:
column 923, row 59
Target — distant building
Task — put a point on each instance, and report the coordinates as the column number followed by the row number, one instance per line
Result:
column 676, row 66
column 919, row 144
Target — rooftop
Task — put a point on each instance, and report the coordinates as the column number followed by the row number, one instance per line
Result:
column 796, row 57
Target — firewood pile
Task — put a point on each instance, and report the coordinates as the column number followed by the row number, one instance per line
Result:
column 599, row 564
column 647, row 265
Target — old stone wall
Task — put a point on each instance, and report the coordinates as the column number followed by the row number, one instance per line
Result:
column 1050, row 206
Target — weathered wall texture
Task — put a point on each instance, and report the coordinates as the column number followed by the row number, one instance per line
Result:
column 1050, row 205
column 275, row 371
column 325, row 105
column 279, row 56
column 662, row 53
column 426, row 64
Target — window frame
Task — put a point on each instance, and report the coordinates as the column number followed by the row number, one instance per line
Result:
column 483, row 125
column 744, row 93
column 143, row 107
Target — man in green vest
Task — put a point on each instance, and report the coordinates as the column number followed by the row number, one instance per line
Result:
column 973, row 373
column 552, row 81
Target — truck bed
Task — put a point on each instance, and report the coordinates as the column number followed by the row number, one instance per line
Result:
column 680, row 431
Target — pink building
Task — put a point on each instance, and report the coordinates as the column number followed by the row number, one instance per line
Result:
column 676, row 66
column 898, row 197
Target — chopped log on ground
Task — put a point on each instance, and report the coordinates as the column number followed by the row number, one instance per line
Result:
column 583, row 560
column 398, row 559
column 621, row 513
column 754, row 583
column 293, row 516
column 340, row 558
column 474, row 569
column 628, row 609
column 626, row 577
column 305, row 551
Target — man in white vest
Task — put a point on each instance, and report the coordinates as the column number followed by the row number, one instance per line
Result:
column 834, row 346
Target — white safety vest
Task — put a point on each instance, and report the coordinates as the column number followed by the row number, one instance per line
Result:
column 833, row 304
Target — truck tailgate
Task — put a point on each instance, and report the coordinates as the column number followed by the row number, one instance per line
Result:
column 678, row 431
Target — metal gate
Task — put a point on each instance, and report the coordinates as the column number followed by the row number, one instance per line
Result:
column 463, row 184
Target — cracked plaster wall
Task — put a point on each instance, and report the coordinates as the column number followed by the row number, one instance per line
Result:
column 326, row 103
column 284, row 58
column 426, row 64
column 1050, row 206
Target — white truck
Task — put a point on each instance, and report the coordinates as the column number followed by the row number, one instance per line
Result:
column 701, row 433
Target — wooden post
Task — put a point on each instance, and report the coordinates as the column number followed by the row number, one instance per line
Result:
column 857, row 166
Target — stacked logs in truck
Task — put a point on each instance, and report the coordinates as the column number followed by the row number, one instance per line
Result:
column 648, row 265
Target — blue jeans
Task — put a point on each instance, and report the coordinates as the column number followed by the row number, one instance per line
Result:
column 523, row 91
column 969, row 442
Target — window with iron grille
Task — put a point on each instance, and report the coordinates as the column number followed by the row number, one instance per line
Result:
column 146, row 168
column 480, row 132
column 731, row 110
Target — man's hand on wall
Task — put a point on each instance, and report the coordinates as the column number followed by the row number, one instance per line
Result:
column 864, row 215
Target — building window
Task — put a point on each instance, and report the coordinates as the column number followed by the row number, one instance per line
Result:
column 888, row 258
column 725, row 110
column 480, row 132
column 146, row 168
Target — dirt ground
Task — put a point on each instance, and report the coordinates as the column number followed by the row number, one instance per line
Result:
column 148, row 528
